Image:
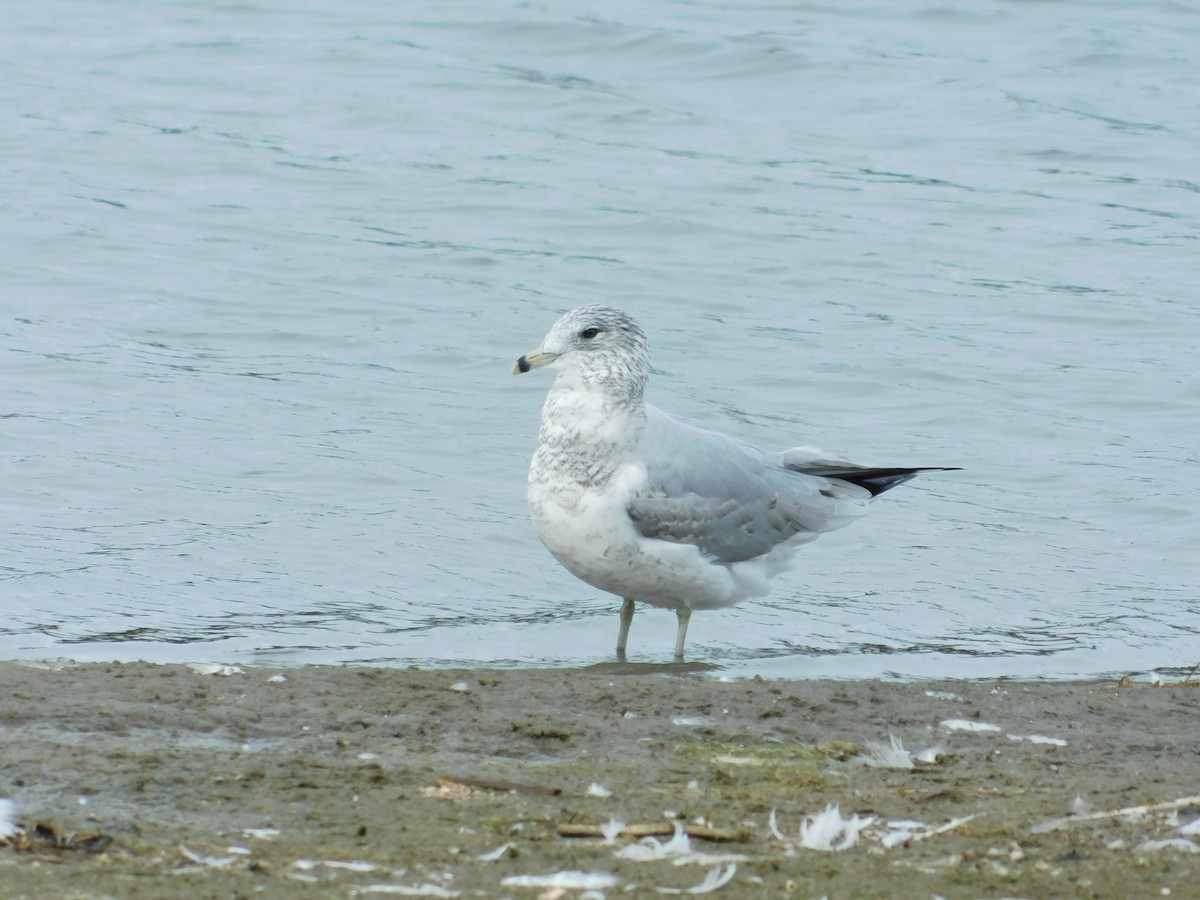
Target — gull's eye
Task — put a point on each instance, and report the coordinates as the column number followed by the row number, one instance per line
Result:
column 588, row 333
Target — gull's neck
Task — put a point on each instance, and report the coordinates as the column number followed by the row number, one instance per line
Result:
column 590, row 421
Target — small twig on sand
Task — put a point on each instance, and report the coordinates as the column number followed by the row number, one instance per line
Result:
column 1134, row 811
column 504, row 787
column 704, row 832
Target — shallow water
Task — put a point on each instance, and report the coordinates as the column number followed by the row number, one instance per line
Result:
column 267, row 266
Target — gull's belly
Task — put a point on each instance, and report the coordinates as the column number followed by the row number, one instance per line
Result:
column 588, row 531
column 591, row 534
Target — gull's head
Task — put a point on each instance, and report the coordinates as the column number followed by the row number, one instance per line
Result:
column 598, row 342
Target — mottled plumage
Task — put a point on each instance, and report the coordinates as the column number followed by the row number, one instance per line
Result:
column 662, row 512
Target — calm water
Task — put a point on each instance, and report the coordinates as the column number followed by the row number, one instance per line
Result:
column 266, row 266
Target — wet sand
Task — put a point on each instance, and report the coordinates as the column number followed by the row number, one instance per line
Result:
column 343, row 782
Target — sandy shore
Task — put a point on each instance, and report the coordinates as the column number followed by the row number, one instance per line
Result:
column 342, row 782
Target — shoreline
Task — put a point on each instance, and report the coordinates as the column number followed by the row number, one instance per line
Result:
column 351, row 781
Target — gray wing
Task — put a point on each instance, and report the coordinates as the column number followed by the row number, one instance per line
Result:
column 728, row 499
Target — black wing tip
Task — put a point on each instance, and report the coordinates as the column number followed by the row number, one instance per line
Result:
column 874, row 480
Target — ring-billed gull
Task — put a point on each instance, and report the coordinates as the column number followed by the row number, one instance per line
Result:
column 654, row 510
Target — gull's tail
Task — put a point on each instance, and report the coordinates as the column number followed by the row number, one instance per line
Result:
column 874, row 480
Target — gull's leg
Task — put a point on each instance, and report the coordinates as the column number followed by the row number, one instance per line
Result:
column 626, row 621
column 684, row 614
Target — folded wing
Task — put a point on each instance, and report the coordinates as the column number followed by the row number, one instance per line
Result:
column 730, row 500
